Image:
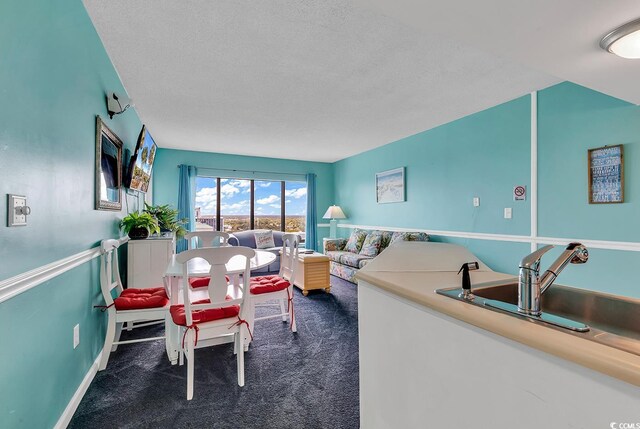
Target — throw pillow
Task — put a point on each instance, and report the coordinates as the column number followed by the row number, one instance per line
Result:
column 398, row 236
column 371, row 245
column 408, row 236
column 355, row 241
column 386, row 239
column 417, row 236
column 264, row 239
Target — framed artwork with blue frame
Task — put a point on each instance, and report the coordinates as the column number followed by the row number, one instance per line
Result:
column 606, row 175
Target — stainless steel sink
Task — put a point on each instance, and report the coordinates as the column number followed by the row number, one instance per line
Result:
column 611, row 320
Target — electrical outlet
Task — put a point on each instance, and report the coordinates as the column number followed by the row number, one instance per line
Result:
column 507, row 212
column 17, row 210
column 476, row 201
column 76, row 336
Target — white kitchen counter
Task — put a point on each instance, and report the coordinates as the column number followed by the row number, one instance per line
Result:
column 426, row 358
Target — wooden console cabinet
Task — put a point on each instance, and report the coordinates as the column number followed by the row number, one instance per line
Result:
column 147, row 261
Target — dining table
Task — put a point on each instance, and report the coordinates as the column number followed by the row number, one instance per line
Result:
column 200, row 267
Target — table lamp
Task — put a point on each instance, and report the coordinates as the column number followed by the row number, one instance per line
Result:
column 333, row 213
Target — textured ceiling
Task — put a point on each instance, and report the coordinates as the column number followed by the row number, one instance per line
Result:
column 558, row 37
column 300, row 79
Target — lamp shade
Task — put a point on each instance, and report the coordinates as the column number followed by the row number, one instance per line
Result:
column 334, row 212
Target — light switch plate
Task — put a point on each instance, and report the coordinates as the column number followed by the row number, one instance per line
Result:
column 507, row 212
column 476, row 201
column 15, row 205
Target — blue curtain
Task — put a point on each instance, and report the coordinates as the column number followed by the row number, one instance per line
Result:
column 186, row 196
column 311, row 238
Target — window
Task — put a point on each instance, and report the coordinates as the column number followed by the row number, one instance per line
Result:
column 235, row 205
column 206, row 203
column 295, row 206
column 231, row 205
column 268, row 205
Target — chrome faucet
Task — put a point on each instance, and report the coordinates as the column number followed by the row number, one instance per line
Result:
column 531, row 285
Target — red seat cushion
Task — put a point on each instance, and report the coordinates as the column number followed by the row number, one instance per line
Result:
column 138, row 299
column 197, row 282
column 266, row 284
column 200, row 316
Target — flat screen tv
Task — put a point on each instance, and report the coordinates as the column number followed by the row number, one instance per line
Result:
column 142, row 162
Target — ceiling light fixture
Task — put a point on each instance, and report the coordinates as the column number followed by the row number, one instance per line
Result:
column 624, row 41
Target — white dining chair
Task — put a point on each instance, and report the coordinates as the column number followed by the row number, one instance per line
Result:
column 278, row 288
column 201, row 239
column 136, row 307
column 215, row 311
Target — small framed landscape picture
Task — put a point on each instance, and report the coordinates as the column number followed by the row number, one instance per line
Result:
column 606, row 175
column 390, row 186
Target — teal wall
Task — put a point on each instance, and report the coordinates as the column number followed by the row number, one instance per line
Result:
column 54, row 76
column 165, row 174
column 488, row 153
column 53, row 82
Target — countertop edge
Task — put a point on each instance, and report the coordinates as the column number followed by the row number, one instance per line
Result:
column 598, row 357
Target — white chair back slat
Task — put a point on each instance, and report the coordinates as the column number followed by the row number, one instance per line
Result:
column 218, row 287
column 109, row 271
column 217, row 277
column 200, row 239
column 289, row 257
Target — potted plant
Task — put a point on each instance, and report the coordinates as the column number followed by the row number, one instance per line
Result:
column 139, row 225
column 167, row 218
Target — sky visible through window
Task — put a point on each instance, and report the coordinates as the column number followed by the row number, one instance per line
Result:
column 236, row 196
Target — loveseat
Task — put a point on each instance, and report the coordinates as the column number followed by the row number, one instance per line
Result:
column 248, row 239
column 349, row 255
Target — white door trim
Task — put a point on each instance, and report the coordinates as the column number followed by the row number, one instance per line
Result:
column 533, row 186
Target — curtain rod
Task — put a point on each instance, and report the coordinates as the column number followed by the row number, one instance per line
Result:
column 248, row 171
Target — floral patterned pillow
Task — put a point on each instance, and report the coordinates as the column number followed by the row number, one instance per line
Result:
column 409, row 236
column 418, row 236
column 355, row 241
column 371, row 245
column 386, row 239
column 397, row 236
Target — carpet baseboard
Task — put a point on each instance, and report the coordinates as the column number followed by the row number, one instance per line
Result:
column 72, row 406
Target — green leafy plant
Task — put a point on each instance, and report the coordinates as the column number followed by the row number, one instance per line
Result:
column 167, row 218
column 139, row 220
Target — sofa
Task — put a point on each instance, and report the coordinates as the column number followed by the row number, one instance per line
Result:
column 248, row 239
column 349, row 255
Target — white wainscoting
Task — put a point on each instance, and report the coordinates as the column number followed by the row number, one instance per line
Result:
column 23, row 282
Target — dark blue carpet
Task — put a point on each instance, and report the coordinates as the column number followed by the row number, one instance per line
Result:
column 303, row 380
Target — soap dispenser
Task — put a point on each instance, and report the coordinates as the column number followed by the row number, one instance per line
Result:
column 466, row 279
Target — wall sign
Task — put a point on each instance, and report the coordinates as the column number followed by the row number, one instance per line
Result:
column 519, row 193
column 606, row 175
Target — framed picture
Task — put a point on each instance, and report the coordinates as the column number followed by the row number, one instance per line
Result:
column 606, row 175
column 108, row 168
column 390, row 186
